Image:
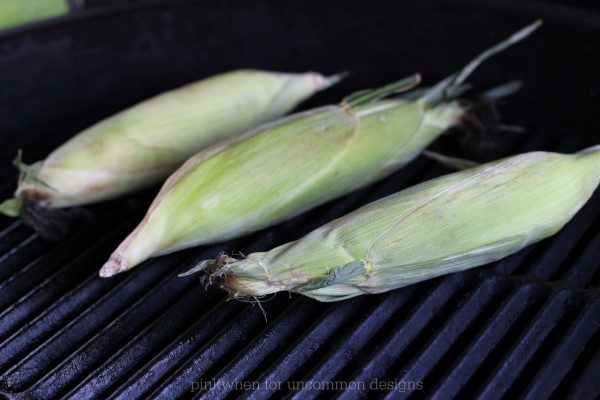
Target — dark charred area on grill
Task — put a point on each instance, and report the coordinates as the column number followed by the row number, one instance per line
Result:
column 52, row 224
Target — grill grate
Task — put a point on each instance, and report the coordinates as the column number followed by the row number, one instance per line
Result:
column 525, row 326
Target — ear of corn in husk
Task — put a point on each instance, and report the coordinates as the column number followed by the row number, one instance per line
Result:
column 17, row 12
column 453, row 223
column 285, row 168
column 142, row 145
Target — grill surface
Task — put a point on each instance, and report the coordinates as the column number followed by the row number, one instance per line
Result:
column 526, row 326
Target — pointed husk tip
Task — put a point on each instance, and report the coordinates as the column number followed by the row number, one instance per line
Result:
column 115, row 265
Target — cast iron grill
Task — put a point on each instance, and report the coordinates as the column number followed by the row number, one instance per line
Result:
column 525, row 326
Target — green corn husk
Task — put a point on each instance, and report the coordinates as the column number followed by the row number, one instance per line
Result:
column 17, row 12
column 285, row 168
column 144, row 144
column 449, row 224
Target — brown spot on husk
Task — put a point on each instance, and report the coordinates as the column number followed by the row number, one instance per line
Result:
column 32, row 195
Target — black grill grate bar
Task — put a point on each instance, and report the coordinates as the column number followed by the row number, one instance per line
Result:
column 466, row 318
column 218, row 350
column 45, row 266
column 10, row 227
column 512, row 331
column 109, row 338
column 205, row 327
column 512, row 365
column 12, row 237
column 586, row 266
column 50, row 320
column 523, row 297
column 259, row 352
column 306, row 347
column 109, row 218
column 45, row 293
column 577, row 378
column 347, row 345
column 565, row 353
column 34, row 269
column 394, row 349
column 76, row 332
column 100, row 347
column 594, row 284
column 588, row 384
column 509, row 265
column 155, row 336
column 22, row 253
column 574, row 305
